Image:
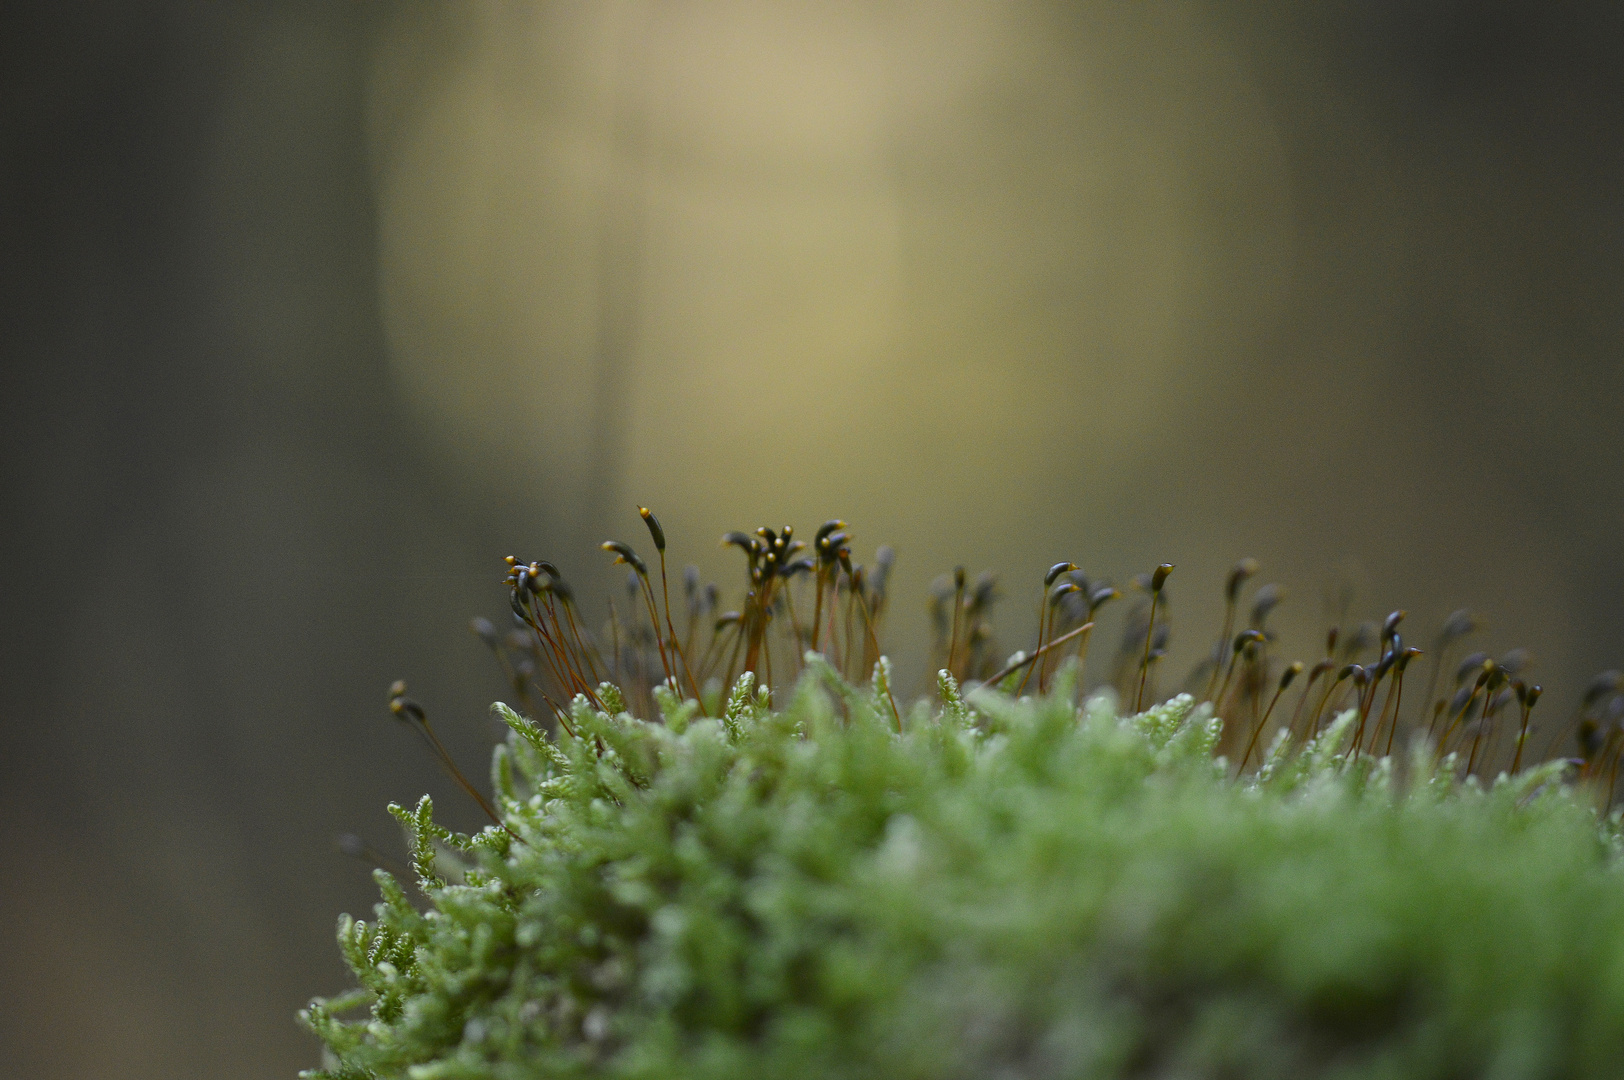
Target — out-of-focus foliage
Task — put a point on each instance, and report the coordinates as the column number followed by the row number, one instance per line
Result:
column 1007, row 887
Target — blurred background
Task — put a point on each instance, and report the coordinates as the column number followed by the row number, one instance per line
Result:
column 311, row 311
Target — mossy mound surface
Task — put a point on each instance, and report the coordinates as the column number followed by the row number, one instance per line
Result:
column 1004, row 888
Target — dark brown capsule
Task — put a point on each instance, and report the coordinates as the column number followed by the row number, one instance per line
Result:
column 1247, row 637
column 1290, row 673
column 884, row 559
column 1590, row 738
column 1059, row 592
column 403, row 707
column 983, row 591
column 830, row 546
column 1266, row 600
column 1237, row 577
column 1458, row 625
column 1608, row 682
column 741, row 540
column 624, row 554
column 1469, row 666
column 1056, row 570
column 653, row 524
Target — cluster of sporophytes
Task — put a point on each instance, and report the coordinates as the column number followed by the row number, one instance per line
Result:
column 1025, row 878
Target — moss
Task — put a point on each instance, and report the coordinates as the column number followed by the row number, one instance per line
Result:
column 1003, row 888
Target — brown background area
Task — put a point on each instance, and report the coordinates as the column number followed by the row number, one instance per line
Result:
column 309, row 312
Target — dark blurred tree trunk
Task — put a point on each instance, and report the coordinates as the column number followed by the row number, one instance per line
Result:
column 219, row 543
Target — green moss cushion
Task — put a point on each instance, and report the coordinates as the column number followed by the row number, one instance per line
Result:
column 1007, row 888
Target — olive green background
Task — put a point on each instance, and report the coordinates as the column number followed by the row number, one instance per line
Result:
column 309, row 312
